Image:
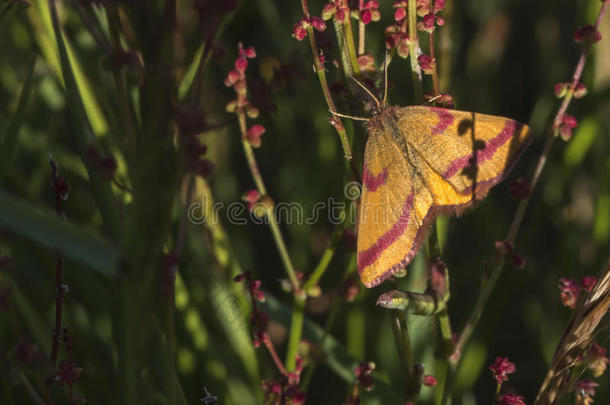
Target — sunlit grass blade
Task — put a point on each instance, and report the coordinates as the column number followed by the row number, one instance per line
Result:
column 44, row 227
column 9, row 143
column 83, row 134
column 42, row 22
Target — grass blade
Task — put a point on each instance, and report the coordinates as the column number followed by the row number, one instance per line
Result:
column 44, row 227
column 9, row 143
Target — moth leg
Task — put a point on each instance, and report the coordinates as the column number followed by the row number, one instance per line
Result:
column 351, row 117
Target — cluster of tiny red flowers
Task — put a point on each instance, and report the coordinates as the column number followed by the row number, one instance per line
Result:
column 506, row 248
column 579, row 91
column 286, row 386
column 396, row 34
column 258, row 319
column 257, row 204
column 430, row 18
column 369, row 12
column 336, row 9
column 60, row 186
column 299, row 31
column 67, row 373
column 501, row 368
column 565, row 124
column 364, row 375
column 510, row 399
column 364, row 380
column 236, row 78
column 426, row 63
column 571, row 289
column 587, row 34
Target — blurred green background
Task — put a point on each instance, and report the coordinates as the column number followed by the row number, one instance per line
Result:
column 504, row 58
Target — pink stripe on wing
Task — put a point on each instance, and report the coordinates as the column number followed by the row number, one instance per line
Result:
column 372, row 182
column 445, row 118
column 487, row 152
column 371, row 254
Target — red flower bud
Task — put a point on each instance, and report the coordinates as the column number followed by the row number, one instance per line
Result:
column 588, row 34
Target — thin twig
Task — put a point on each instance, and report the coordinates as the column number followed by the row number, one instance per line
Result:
column 321, row 72
column 58, row 186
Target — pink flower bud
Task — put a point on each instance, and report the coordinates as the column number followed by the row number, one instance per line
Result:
column 588, row 34
column 253, row 135
column 318, row 23
column 561, row 89
column 580, row 91
column 429, row 381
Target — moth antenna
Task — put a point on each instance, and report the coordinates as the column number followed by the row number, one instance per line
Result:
column 351, row 117
column 370, row 93
column 385, row 79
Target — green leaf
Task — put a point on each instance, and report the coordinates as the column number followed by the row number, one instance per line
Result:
column 83, row 134
column 44, row 227
column 9, row 143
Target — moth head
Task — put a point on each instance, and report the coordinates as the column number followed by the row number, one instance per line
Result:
column 374, row 105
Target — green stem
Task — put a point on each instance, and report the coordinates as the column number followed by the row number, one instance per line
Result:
column 484, row 294
column 403, row 343
column 281, row 246
column 330, row 320
column 351, row 46
column 319, row 68
column 327, row 256
column 435, row 83
column 361, row 31
column 413, row 41
column 296, row 330
column 260, row 185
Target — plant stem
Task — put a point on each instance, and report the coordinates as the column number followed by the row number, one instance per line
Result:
column 326, row 256
column 435, row 84
column 351, row 47
column 296, row 330
column 260, row 185
column 59, row 261
column 361, row 30
column 276, row 359
column 416, row 76
column 319, row 68
column 484, row 294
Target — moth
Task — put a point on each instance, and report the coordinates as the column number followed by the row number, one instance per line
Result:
column 420, row 161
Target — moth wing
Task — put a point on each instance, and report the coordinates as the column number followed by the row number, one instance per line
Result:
column 466, row 149
column 393, row 206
